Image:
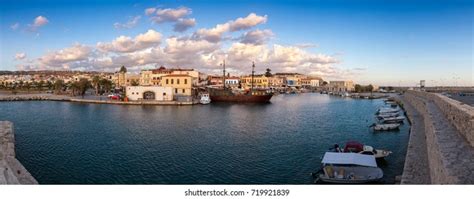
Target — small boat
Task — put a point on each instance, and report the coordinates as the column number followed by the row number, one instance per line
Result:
column 349, row 168
column 391, row 120
column 385, row 127
column 387, row 115
column 387, row 110
column 205, row 99
column 357, row 147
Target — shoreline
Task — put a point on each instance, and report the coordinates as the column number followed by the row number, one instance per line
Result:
column 51, row 97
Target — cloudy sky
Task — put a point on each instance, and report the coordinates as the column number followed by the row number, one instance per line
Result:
column 390, row 43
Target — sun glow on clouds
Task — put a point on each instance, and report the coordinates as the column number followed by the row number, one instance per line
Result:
column 203, row 49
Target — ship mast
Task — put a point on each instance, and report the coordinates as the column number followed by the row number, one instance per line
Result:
column 223, row 75
column 253, row 67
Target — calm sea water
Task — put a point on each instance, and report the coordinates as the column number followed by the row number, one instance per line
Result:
column 276, row 143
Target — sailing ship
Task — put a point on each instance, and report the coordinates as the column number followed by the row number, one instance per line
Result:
column 225, row 94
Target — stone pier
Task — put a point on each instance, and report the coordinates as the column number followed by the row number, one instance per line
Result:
column 11, row 170
column 441, row 146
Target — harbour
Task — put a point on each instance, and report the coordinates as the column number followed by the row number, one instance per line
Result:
column 281, row 142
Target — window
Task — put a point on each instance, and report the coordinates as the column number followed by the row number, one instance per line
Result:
column 172, row 81
column 177, row 81
column 167, row 81
column 183, row 90
column 185, row 81
column 176, row 90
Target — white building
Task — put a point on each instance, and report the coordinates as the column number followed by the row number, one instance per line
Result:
column 157, row 93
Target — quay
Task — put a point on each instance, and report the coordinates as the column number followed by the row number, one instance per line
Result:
column 51, row 97
column 11, row 170
column 441, row 143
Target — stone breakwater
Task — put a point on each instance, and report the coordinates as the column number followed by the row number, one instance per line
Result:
column 11, row 170
column 440, row 142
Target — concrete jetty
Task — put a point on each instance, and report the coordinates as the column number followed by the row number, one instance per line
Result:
column 441, row 146
column 11, row 170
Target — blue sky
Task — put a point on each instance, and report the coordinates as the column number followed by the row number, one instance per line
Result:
column 389, row 43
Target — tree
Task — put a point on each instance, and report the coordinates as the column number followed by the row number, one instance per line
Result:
column 324, row 83
column 40, row 85
column 95, row 83
column 27, row 86
column 134, row 82
column 83, row 85
column 123, row 69
column 49, row 85
column 58, row 85
column 106, row 85
column 358, row 88
column 370, row 88
column 268, row 73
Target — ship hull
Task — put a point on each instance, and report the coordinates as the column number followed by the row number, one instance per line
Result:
column 218, row 95
column 242, row 98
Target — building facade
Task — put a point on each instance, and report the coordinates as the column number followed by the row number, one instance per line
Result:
column 151, row 93
column 341, row 86
column 181, row 84
column 259, row 81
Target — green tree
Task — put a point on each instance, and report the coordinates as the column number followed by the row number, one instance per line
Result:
column 40, row 85
column 95, row 84
column 123, row 69
column 358, row 88
column 268, row 73
column 106, row 85
column 58, row 86
column 83, row 85
column 27, row 86
column 134, row 82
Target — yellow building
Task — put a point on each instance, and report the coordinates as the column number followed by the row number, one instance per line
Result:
column 181, row 84
column 259, row 81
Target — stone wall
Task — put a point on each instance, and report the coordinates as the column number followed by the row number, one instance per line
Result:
column 11, row 170
column 450, row 152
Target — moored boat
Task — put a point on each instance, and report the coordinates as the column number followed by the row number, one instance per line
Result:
column 349, row 168
column 385, row 127
column 357, row 147
column 225, row 94
column 205, row 98
column 391, row 120
column 387, row 115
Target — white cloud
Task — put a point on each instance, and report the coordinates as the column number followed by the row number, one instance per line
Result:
column 127, row 44
column 168, row 14
column 256, row 36
column 184, row 24
column 129, row 24
column 15, row 26
column 150, row 11
column 67, row 56
column 38, row 22
column 248, row 22
column 20, row 56
column 215, row 34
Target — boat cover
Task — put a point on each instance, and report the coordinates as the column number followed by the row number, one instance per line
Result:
column 349, row 158
column 353, row 146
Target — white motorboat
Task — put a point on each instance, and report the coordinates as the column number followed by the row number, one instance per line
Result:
column 377, row 153
column 387, row 115
column 349, row 168
column 391, row 120
column 205, row 99
column 385, row 127
column 387, row 110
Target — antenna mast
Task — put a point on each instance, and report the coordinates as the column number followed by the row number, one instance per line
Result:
column 223, row 75
column 253, row 67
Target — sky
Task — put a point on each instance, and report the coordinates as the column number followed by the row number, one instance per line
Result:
column 367, row 41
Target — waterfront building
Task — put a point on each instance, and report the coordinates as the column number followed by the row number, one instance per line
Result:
column 181, row 84
column 154, row 76
column 146, row 77
column 341, row 86
column 214, row 80
column 291, row 79
column 259, row 81
column 275, row 82
column 310, row 82
column 157, row 93
column 232, row 82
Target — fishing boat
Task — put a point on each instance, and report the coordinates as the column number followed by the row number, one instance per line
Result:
column 205, row 98
column 391, row 120
column 225, row 94
column 349, row 168
column 385, row 127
